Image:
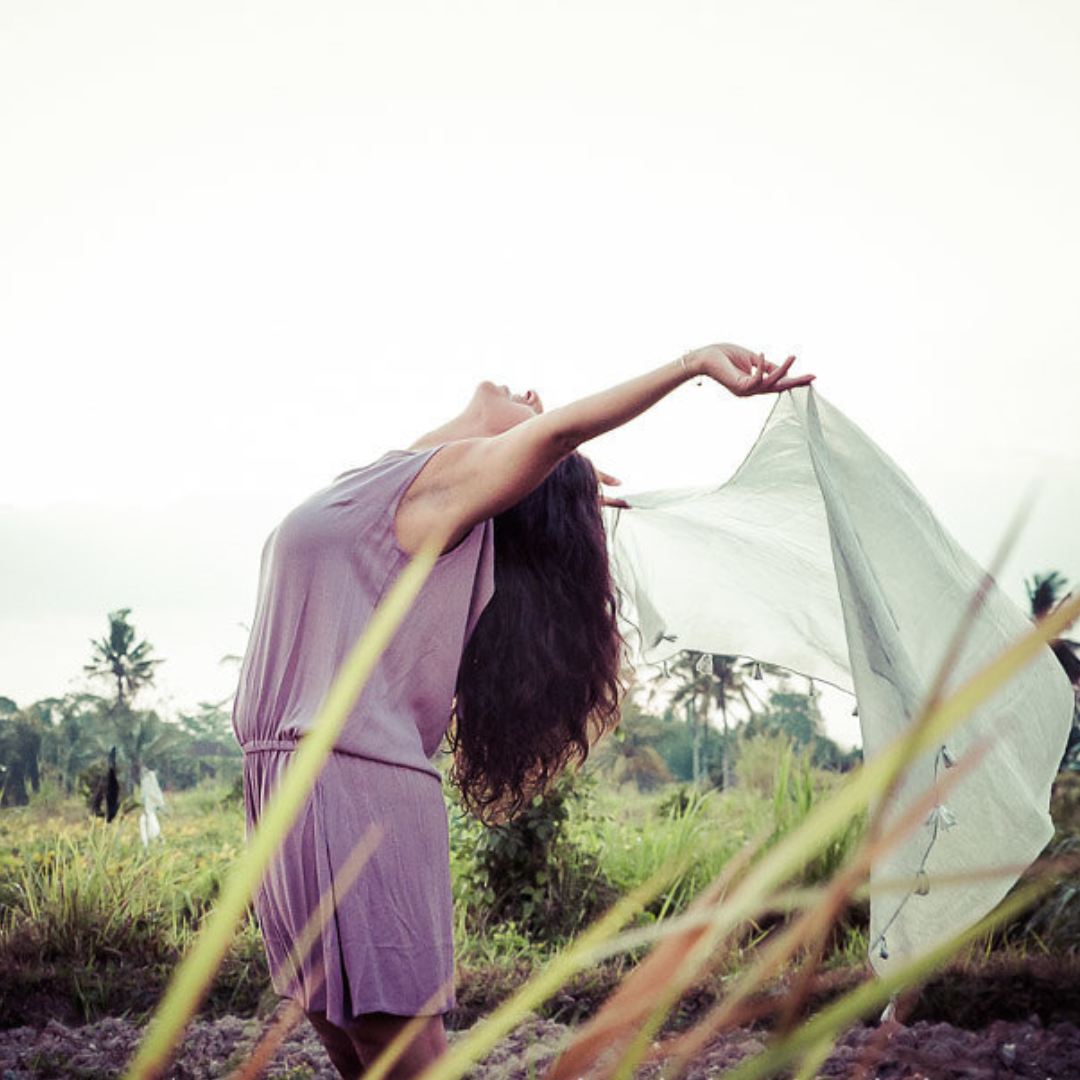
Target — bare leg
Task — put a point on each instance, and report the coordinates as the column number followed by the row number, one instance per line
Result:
column 339, row 1046
column 373, row 1032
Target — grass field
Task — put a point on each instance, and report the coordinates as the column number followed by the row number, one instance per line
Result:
column 91, row 916
column 90, row 921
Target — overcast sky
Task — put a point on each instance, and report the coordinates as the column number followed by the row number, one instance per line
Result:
column 244, row 246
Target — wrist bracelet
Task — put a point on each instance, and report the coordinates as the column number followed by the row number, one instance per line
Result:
column 686, row 370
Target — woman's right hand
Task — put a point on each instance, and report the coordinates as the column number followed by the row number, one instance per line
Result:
column 743, row 372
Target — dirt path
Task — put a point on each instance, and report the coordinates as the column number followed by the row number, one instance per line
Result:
column 1003, row 1051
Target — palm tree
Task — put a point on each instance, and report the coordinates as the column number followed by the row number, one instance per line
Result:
column 118, row 656
column 707, row 678
column 629, row 753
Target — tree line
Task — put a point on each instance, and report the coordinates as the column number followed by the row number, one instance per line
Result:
column 64, row 742
column 709, row 706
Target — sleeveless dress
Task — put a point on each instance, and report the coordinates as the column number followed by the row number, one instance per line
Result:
column 386, row 941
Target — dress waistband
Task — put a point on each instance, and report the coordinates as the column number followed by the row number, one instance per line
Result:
column 258, row 746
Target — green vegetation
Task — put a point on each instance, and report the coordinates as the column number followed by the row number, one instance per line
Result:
column 87, row 914
column 92, row 918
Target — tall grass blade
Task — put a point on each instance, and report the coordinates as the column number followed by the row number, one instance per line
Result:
column 188, row 984
column 309, row 934
column 809, row 929
column 579, row 955
column 633, row 1013
column 324, row 912
column 382, row 1065
column 268, row 1045
column 804, row 842
column 871, row 996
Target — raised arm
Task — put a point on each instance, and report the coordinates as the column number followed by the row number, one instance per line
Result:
column 475, row 478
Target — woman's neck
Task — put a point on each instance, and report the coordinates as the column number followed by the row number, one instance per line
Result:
column 470, row 424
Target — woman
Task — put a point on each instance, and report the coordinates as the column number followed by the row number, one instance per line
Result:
column 516, row 513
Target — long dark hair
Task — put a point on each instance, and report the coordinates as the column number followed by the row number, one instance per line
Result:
column 539, row 678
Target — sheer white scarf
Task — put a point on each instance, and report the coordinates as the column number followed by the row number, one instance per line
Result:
column 820, row 556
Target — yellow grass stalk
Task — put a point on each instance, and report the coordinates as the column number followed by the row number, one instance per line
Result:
column 807, row 931
column 579, row 955
column 872, row 995
column 188, row 984
column 382, row 1065
column 804, row 842
column 649, row 992
column 737, row 1007
column 321, row 916
column 268, row 1045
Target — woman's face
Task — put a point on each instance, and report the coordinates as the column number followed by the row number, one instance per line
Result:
column 503, row 410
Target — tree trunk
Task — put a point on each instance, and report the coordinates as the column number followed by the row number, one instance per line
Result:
column 726, row 764
column 695, row 731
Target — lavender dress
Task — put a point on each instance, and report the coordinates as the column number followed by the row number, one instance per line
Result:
column 388, row 945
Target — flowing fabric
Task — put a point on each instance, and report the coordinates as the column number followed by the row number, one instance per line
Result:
column 820, row 556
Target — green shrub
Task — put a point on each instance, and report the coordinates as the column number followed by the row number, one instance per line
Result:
column 636, row 837
column 529, row 872
column 680, row 802
column 797, row 787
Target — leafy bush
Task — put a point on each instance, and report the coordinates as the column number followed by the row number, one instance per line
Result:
column 680, row 802
column 635, row 836
column 529, row 872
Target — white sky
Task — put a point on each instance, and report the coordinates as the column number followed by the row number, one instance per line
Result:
column 244, row 246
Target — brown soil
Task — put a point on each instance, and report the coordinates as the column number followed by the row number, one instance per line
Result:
column 1006, row 1050
column 990, row 1024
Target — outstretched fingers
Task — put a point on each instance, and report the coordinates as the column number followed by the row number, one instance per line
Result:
column 776, row 374
column 775, row 378
column 790, row 384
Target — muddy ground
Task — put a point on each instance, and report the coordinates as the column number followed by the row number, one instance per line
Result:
column 1003, row 1051
column 992, row 1025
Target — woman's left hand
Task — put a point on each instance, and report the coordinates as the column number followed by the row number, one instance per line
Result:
column 607, row 480
column 743, row 372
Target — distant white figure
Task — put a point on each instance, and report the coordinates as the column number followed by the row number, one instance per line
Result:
column 153, row 801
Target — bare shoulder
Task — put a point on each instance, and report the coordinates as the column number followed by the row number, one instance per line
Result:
column 450, row 466
column 433, row 503
column 470, row 480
